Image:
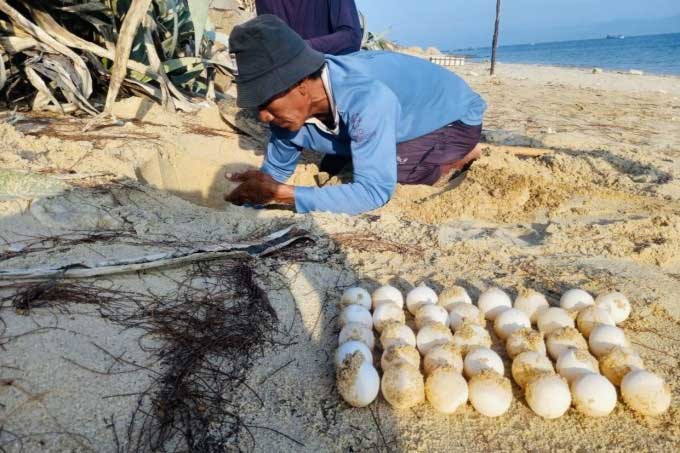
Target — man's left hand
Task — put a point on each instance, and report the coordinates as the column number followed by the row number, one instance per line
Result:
column 258, row 188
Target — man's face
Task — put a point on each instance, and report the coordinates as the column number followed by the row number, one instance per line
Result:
column 289, row 110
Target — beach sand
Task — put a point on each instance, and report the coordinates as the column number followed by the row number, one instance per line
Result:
column 601, row 211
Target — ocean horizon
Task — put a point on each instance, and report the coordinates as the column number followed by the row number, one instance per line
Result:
column 656, row 54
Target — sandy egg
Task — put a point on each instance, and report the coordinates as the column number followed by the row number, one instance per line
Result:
column 646, row 392
column 490, row 393
column 387, row 313
column 482, row 359
column 402, row 386
column 562, row 339
column 397, row 334
column 399, row 354
column 605, row 338
column 453, row 295
column 470, row 336
column 356, row 313
column 387, row 293
column 446, row 390
column 548, row 396
column 358, row 332
column 531, row 303
column 617, row 304
column 593, row 395
column 523, row 340
column 619, row 362
column 591, row 317
column 419, row 296
column 573, row 363
column 350, row 348
column 528, row 365
column 356, row 296
column 432, row 335
column 357, row 381
column 445, row 355
column 576, row 300
column 493, row 302
column 509, row 321
column 428, row 314
column 462, row 311
column 553, row 318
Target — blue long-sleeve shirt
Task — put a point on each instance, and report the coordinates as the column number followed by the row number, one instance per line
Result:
column 329, row 26
column 382, row 99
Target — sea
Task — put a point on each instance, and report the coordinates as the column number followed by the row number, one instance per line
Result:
column 657, row 54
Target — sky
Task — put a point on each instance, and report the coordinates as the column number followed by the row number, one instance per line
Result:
column 457, row 24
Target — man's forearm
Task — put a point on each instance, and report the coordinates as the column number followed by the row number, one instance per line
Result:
column 285, row 194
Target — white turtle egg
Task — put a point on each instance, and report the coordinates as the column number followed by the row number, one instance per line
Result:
column 593, row 395
column 419, row 296
column 523, row 340
column 574, row 363
column 445, row 355
column 531, row 303
column 396, row 355
column 482, row 359
column 553, row 318
column 356, row 296
column 605, row 338
column 646, row 392
column 356, row 313
column 470, row 336
column 462, row 311
column 490, row 393
column 387, row 313
column 616, row 304
column 432, row 335
column 452, row 296
column 402, row 386
column 619, row 362
column 509, row 321
column 528, row 365
column 358, row 332
column 548, row 396
column 576, row 300
column 446, row 390
column 591, row 317
column 428, row 314
column 397, row 334
column 493, row 302
column 387, row 293
column 349, row 348
column 357, row 381
column 564, row 338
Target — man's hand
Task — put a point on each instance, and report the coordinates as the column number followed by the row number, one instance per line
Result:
column 258, row 188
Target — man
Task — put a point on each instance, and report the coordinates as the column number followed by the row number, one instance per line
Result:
column 329, row 26
column 399, row 118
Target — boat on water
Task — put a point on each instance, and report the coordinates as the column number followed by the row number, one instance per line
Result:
column 616, row 36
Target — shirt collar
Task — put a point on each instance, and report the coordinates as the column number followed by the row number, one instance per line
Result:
column 326, row 80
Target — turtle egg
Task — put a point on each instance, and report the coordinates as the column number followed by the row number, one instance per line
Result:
column 419, row 296
column 509, row 321
column 605, row 338
column 490, row 393
column 387, row 313
column 396, row 355
column 402, row 386
column 470, row 336
column 358, row 332
column 356, row 313
column 387, row 293
column 357, row 381
column 397, row 334
column 446, row 390
column 452, row 296
column 351, row 347
column 523, row 340
column 531, row 303
column 445, row 355
column 646, row 392
column 564, row 338
column 462, row 311
column 593, row 395
column 432, row 335
column 428, row 314
column 591, row 317
column 548, row 396
column 356, row 296
column 553, row 318
column 493, row 302
column 482, row 359
column 619, row 362
column 529, row 365
column 576, row 300
column 574, row 363
column 616, row 304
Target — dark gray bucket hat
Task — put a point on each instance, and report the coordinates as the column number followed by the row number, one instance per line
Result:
column 270, row 58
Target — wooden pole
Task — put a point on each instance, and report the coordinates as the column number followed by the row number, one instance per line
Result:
column 494, row 46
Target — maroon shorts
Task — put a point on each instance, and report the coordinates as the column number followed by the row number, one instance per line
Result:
column 419, row 161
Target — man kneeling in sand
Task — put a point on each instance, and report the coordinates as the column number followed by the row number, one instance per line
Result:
column 398, row 119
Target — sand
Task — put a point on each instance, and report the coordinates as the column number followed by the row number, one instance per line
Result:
column 601, row 211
